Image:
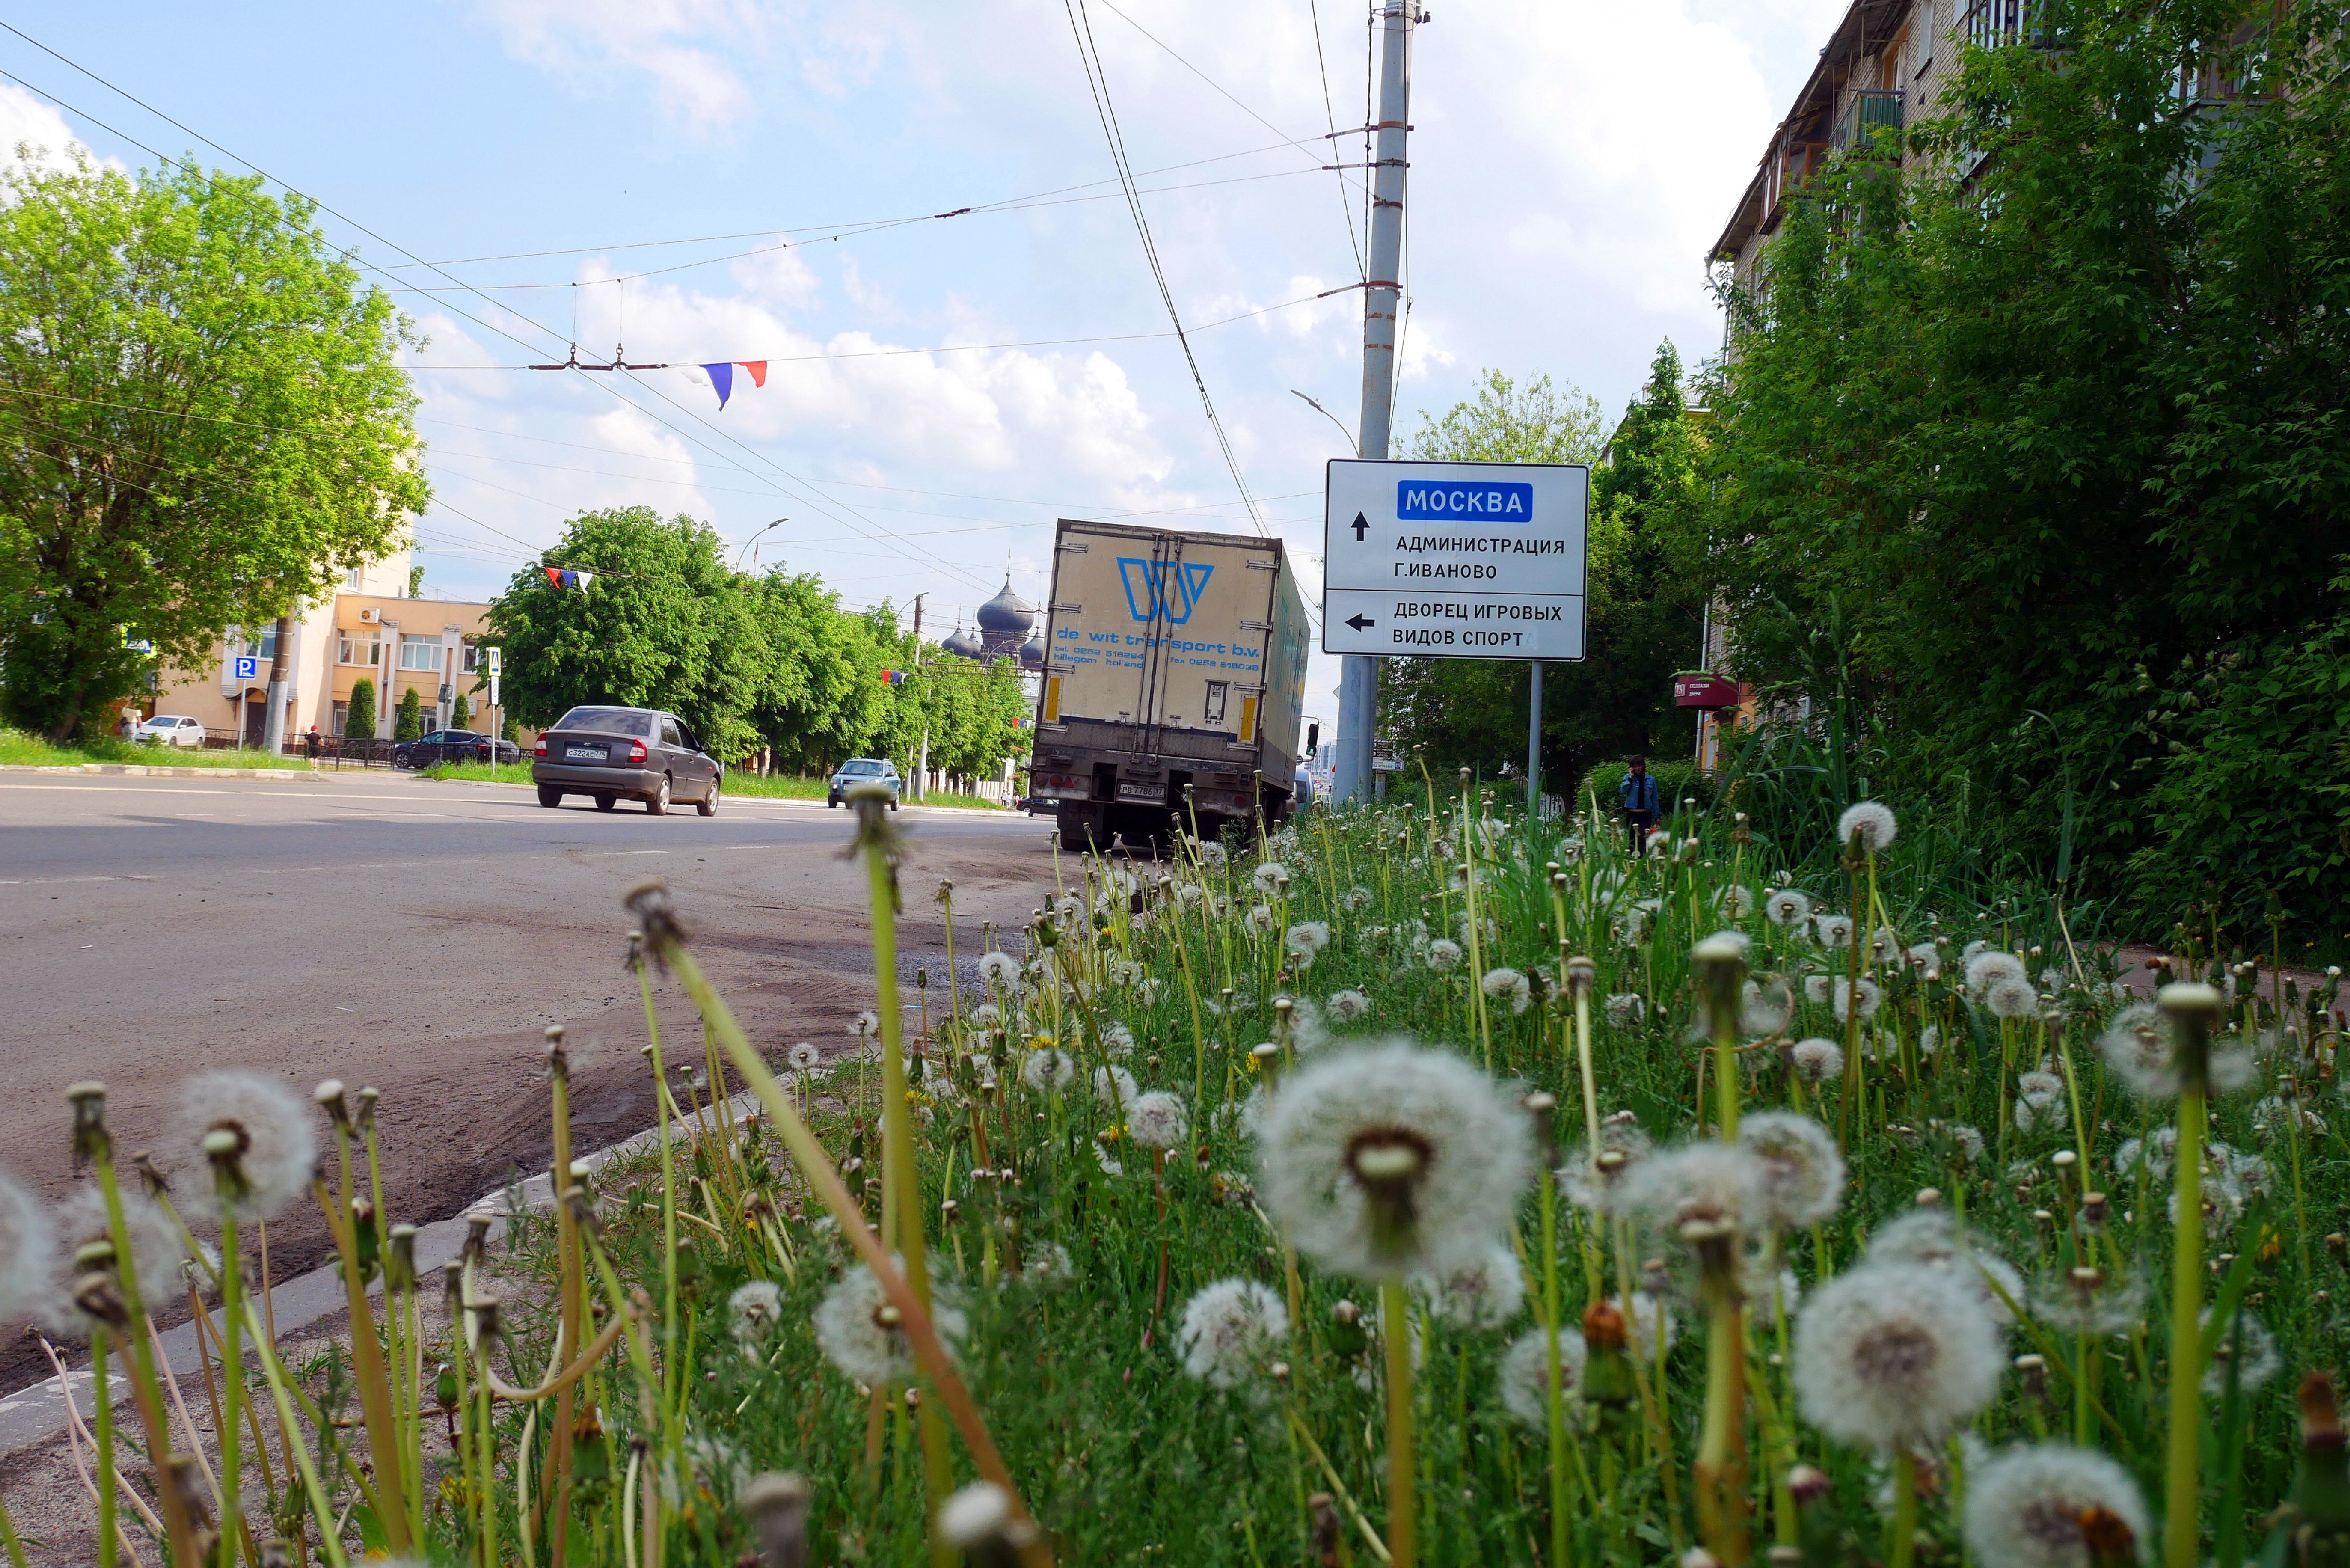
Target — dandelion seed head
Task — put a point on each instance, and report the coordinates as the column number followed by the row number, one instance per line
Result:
column 1481, row 1292
column 861, row 1334
column 1306, row 938
column 1650, row 1324
column 1048, row 1070
column 155, row 1251
column 1114, row 1086
column 1818, row 1061
column 1000, row 969
column 1801, row 1173
column 1893, row 1355
column 1626, row 1009
column 1932, row 1238
column 1832, row 931
column 2248, row 1344
column 1766, row 1010
column 1704, row 1180
column 1229, row 1332
column 1524, row 1378
column 1871, row 997
column 804, row 1058
column 1269, row 877
column 753, row 1311
column 277, row 1130
column 977, row 1515
column 1157, row 1120
column 1787, row 908
column 1510, row 986
column 2025, row 1505
column 2012, row 997
column 1349, row 1006
column 1871, row 821
column 1986, row 967
column 28, row 1246
column 1385, row 1160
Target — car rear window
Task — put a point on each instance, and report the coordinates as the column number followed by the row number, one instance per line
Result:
column 609, row 721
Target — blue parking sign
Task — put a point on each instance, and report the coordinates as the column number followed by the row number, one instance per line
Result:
column 248, row 667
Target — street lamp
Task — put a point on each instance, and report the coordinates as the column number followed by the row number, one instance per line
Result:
column 754, row 539
column 1333, row 419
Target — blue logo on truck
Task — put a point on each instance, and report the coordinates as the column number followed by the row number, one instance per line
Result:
column 1464, row 501
column 1170, row 588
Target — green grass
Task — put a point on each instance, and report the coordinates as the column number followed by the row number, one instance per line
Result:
column 19, row 748
column 778, row 786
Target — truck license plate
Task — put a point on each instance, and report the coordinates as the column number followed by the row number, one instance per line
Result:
column 584, row 754
column 1140, row 789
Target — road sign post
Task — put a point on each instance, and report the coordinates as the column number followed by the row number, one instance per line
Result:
column 1455, row 560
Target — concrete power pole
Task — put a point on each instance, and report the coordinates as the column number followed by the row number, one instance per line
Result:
column 1358, row 674
column 281, row 673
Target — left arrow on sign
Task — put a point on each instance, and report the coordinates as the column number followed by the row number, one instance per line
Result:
column 1361, row 622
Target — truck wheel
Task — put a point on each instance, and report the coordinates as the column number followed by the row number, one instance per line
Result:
column 1078, row 830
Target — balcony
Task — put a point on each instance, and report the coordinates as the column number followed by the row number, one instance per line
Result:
column 1867, row 113
column 1996, row 24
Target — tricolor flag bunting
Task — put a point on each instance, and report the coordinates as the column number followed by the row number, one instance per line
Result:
column 722, row 375
column 563, row 577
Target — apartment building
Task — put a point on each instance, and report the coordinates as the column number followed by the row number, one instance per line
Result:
column 368, row 629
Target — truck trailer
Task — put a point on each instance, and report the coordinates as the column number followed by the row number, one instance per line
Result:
column 1174, row 681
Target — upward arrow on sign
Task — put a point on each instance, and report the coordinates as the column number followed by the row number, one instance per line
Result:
column 1361, row 527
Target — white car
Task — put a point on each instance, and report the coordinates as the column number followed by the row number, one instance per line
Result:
column 173, row 730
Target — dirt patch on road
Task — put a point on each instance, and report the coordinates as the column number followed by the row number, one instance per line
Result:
column 465, row 1109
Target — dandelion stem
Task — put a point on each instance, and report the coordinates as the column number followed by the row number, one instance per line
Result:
column 1554, row 1390
column 1403, row 1520
column 102, row 1425
column 2181, row 1488
column 1905, row 1508
column 232, row 1288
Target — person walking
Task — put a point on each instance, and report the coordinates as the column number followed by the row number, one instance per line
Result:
column 1642, row 802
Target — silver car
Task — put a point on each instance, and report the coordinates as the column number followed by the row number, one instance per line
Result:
column 864, row 771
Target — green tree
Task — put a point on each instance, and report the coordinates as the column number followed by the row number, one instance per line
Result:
column 461, row 712
column 1645, row 586
column 408, row 719
column 359, row 714
column 202, row 424
column 665, row 624
column 2050, row 430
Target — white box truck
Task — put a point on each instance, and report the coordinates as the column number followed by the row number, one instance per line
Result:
column 1173, row 684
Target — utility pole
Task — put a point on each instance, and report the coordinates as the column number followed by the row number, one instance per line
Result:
column 1358, row 674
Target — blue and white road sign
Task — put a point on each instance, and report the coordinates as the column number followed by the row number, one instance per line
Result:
column 248, row 668
column 1455, row 560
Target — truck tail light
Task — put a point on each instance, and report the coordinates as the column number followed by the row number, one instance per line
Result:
column 1071, row 786
column 636, row 750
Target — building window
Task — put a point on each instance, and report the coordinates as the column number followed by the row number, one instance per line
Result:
column 342, row 711
column 265, row 647
column 418, row 652
column 355, row 650
column 472, row 654
column 351, row 581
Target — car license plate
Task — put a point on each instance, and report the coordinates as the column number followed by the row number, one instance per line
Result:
column 584, row 754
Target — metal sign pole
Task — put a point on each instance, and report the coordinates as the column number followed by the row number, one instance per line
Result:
column 1359, row 675
column 1534, row 746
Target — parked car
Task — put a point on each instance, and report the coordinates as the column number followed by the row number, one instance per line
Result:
column 452, row 747
column 609, row 754
column 864, row 771
column 172, row 730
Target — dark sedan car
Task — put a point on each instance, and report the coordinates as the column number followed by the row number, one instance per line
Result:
column 637, row 754
column 452, row 747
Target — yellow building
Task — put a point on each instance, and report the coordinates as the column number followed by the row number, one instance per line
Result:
column 367, row 629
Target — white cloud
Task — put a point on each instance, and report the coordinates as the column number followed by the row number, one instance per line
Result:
column 33, row 134
column 682, row 45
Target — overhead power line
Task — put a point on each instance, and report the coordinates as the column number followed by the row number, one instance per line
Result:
column 830, row 506
column 1097, row 82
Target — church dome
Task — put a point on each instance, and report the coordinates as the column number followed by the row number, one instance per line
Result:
column 1032, row 653
column 1006, row 612
column 962, row 645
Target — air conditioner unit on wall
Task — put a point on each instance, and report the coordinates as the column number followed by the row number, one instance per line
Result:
column 370, row 616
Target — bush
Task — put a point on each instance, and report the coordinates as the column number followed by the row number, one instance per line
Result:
column 1676, row 781
column 359, row 716
column 462, row 713
column 409, row 724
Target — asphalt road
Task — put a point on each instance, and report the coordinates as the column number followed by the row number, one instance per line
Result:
column 419, row 937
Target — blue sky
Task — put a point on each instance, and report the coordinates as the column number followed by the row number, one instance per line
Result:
column 1571, row 159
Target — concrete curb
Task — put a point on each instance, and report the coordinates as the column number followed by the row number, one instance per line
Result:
column 144, row 770
column 734, row 800
column 36, row 1414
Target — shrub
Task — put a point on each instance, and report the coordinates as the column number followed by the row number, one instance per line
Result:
column 410, row 723
column 462, row 713
column 359, row 717
column 1676, row 781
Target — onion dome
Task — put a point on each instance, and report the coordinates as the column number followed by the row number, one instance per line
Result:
column 1032, row 653
column 962, row 645
column 1006, row 612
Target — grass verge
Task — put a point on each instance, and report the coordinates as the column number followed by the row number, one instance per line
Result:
column 18, row 749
